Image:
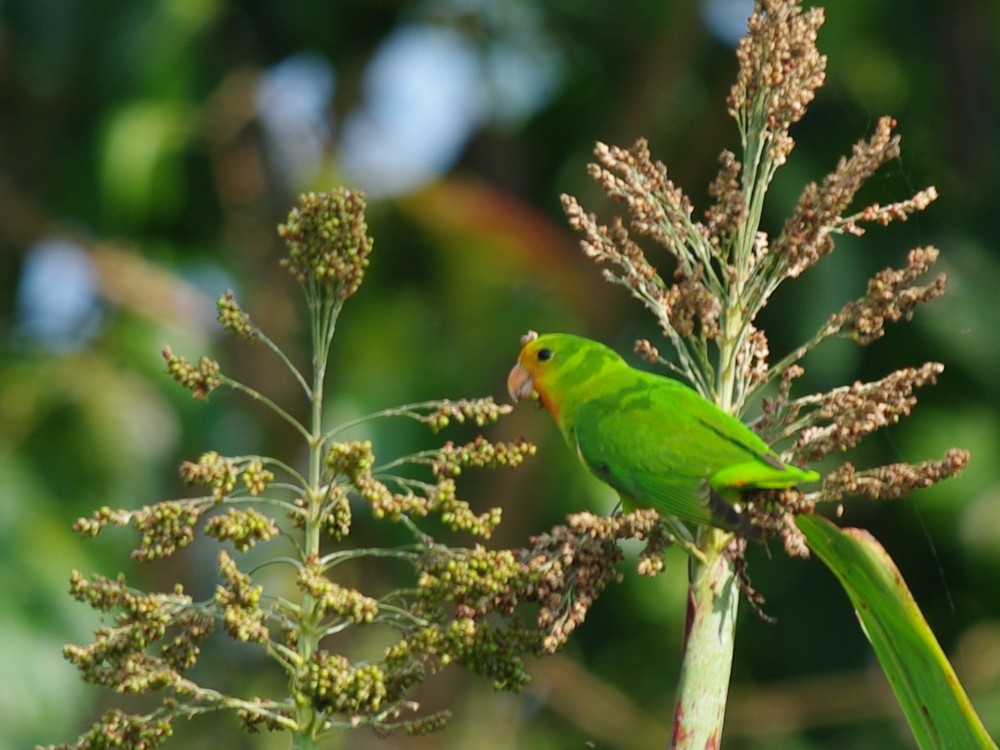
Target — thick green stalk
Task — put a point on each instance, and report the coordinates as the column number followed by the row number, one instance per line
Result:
column 323, row 314
column 713, row 602
column 708, row 646
column 714, row 591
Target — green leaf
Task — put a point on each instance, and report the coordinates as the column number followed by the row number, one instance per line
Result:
column 937, row 709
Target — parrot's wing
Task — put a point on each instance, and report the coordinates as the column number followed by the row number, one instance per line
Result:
column 618, row 451
column 686, row 498
column 739, row 458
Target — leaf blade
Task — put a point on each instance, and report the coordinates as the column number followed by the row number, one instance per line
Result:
column 935, row 704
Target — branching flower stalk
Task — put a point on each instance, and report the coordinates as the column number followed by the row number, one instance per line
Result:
column 725, row 270
column 471, row 606
column 328, row 254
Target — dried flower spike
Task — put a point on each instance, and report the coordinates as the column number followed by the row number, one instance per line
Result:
column 780, row 68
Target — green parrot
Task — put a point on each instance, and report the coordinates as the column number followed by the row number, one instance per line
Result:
column 653, row 439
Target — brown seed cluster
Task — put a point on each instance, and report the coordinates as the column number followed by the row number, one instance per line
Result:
column 808, row 233
column 818, row 216
column 772, row 514
column 729, row 209
column 843, row 416
column 649, row 353
column 892, row 295
column 569, row 567
column 780, row 70
column 659, row 209
column 688, row 306
column 894, row 480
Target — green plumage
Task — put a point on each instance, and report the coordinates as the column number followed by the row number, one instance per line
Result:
column 653, row 439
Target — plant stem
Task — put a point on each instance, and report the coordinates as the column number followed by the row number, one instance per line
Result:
column 323, row 313
column 714, row 591
column 708, row 646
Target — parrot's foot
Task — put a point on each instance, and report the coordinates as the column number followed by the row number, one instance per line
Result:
column 678, row 535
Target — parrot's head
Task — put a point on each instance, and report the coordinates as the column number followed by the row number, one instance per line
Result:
column 561, row 370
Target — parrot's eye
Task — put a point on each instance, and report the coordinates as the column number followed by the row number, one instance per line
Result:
column 544, row 355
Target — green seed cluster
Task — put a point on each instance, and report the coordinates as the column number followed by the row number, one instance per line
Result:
column 462, row 610
column 213, row 471
column 243, row 527
column 353, row 459
column 182, row 651
column 478, row 579
column 481, row 411
column 333, row 684
column 166, row 527
column 458, row 516
column 234, row 319
column 239, row 599
column 337, row 513
column 491, row 650
column 328, row 242
column 480, row 454
column 122, row 656
column 103, row 516
column 116, row 730
column 409, row 662
column 343, row 602
column 200, row 380
column 434, row 722
column 476, row 643
column 256, row 478
column 460, row 592
column 253, row 719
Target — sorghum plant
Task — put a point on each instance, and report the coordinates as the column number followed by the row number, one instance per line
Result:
column 723, row 269
column 463, row 605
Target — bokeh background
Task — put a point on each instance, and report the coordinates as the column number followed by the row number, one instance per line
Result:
column 147, row 151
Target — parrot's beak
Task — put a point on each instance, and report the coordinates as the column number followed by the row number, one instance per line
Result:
column 519, row 384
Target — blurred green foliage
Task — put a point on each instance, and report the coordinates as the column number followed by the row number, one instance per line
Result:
column 161, row 142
